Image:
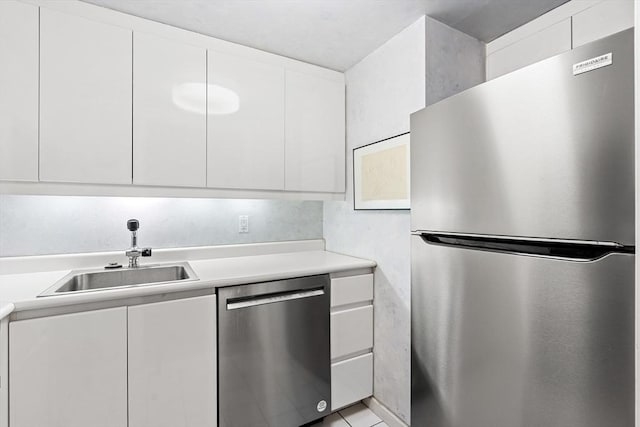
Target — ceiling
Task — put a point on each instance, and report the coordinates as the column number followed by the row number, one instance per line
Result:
column 331, row 33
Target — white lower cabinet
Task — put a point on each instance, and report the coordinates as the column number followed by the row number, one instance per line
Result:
column 69, row 370
column 351, row 339
column 172, row 363
column 351, row 381
column 149, row 365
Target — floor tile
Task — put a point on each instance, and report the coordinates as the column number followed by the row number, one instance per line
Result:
column 333, row 420
column 360, row 416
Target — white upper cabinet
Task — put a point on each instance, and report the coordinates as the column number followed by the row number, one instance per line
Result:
column 567, row 27
column 91, row 96
column 69, row 370
column 604, row 19
column 18, row 91
column 169, row 112
column 85, row 100
column 546, row 43
column 246, row 124
column 315, row 133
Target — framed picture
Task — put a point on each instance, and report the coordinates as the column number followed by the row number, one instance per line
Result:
column 381, row 173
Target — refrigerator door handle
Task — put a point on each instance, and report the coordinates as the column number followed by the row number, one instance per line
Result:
column 576, row 250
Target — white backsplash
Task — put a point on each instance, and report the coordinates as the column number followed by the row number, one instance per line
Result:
column 39, row 225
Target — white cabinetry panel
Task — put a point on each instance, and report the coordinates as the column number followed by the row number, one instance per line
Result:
column 351, row 289
column 351, row 381
column 604, row 19
column 315, row 133
column 172, row 363
column 169, row 112
column 69, row 370
column 246, row 124
column 85, row 100
column 549, row 42
column 351, row 331
column 18, row 91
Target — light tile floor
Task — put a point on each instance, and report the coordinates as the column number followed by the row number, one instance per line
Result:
column 357, row 415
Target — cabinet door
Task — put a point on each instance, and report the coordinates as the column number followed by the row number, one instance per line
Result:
column 69, row 370
column 169, row 112
column 246, row 124
column 549, row 42
column 315, row 140
column 172, row 363
column 19, row 91
column 85, row 100
column 603, row 19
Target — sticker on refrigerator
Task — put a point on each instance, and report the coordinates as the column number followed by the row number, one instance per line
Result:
column 593, row 64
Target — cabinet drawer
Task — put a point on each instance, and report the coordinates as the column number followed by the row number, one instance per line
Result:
column 351, row 331
column 353, row 289
column 351, row 381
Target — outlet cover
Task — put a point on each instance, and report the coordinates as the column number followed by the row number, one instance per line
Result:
column 243, row 224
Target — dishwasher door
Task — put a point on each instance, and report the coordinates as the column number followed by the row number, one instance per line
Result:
column 274, row 353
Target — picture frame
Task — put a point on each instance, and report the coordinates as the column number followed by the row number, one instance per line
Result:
column 381, row 174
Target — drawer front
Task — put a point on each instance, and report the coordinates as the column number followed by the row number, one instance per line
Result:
column 350, row 290
column 351, row 381
column 351, row 331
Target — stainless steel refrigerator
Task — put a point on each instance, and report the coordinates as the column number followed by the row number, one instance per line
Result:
column 523, row 247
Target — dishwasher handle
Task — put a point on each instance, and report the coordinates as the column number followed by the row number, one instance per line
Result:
column 238, row 303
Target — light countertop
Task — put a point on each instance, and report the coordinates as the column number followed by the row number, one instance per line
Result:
column 20, row 291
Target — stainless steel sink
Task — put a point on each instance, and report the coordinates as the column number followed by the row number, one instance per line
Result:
column 100, row 279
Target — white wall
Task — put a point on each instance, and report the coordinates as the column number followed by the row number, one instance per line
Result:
column 382, row 90
column 36, row 225
column 428, row 60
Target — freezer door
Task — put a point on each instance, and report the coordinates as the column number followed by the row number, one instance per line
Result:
column 540, row 152
column 503, row 340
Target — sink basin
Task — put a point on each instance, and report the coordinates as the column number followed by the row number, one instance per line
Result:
column 100, row 279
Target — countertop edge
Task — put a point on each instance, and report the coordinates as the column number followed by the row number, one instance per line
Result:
column 36, row 303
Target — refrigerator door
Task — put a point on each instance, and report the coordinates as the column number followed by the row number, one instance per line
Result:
column 504, row 340
column 540, row 152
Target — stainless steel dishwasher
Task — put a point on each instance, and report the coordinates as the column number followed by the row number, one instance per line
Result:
column 274, row 353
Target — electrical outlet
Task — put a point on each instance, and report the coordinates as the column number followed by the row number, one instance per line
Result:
column 243, row 224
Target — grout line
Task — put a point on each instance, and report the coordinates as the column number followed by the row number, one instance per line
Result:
column 345, row 420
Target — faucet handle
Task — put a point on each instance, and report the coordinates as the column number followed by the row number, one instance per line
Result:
column 145, row 252
column 133, row 224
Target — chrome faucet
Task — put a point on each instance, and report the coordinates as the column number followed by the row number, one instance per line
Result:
column 134, row 252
